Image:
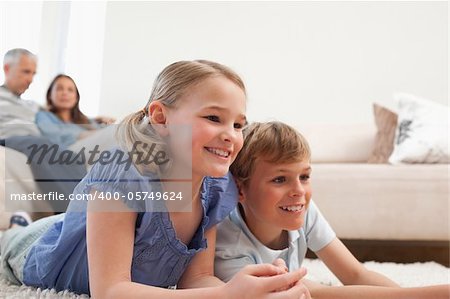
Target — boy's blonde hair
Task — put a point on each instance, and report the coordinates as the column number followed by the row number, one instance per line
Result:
column 274, row 142
column 170, row 85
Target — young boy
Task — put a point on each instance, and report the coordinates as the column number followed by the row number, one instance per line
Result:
column 276, row 219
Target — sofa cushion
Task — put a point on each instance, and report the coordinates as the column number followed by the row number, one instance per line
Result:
column 422, row 131
column 339, row 143
column 386, row 122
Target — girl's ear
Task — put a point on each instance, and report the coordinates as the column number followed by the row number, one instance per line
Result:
column 158, row 117
column 157, row 113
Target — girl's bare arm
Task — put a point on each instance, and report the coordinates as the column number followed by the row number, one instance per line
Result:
column 110, row 241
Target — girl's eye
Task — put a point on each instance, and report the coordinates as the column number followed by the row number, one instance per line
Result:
column 304, row 178
column 279, row 180
column 238, row 126
column 213, row 118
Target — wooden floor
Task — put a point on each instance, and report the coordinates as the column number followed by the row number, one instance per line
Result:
column 398, row 251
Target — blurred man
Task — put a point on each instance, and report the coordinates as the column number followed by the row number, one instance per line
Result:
column 17, row 115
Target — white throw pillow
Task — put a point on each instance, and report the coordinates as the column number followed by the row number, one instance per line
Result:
column 422, row 131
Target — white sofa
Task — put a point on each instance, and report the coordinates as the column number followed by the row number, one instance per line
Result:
column 360, row 200
column 18, row 176
column 375, row 201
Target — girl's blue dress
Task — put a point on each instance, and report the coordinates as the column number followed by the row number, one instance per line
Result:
column 59, row 258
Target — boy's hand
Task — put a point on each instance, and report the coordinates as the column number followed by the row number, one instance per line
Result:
column 280, row 264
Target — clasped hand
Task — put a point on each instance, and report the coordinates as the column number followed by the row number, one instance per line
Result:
column 269, row 281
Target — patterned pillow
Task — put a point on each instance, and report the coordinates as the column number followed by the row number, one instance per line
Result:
column 386, row 122
column 422, row 131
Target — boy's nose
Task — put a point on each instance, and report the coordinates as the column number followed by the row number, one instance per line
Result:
column 297, row 190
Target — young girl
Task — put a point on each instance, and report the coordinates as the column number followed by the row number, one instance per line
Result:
column 276, row 219
column 142, row 246
column 64, row 123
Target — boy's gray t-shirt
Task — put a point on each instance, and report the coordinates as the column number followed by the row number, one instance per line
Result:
column 237, row 247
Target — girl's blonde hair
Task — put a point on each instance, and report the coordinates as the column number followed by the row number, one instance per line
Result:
column 170, row 85
column 274, row 142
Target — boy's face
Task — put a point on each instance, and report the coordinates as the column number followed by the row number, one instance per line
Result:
column 276, row 197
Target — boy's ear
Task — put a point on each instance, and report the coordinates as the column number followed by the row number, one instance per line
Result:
column 158, row 117
column 240, row 191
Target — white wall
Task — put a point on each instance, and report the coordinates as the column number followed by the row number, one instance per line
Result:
column 20, row 28
column 303, row 62
column 84, row 52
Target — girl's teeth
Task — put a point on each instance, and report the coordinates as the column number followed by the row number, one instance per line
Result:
column 219, row 152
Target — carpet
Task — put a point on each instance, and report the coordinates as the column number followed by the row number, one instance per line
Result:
column 407, row 275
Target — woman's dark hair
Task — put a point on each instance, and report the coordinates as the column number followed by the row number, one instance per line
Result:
column 77, row 116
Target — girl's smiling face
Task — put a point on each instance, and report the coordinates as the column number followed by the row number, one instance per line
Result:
column 215, row 111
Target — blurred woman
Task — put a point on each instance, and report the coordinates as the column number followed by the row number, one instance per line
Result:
column 63, row 123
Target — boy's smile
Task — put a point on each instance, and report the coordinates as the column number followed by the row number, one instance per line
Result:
column 296, row 208
column 276, row 198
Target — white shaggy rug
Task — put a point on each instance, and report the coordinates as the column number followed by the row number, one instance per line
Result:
column 407, row 275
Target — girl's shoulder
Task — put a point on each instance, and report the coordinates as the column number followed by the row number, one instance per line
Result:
column 47, row 116
column 220, row 197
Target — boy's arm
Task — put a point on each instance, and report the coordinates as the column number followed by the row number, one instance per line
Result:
column 348, row 269
column 319, row 291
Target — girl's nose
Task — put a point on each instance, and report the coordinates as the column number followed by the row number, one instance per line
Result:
column 228, row 134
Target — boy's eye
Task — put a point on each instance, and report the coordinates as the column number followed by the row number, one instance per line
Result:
column 278, row 180
column 213, row 118
column 304, row 178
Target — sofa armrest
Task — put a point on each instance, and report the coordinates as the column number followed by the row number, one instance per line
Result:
column 381, row 201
